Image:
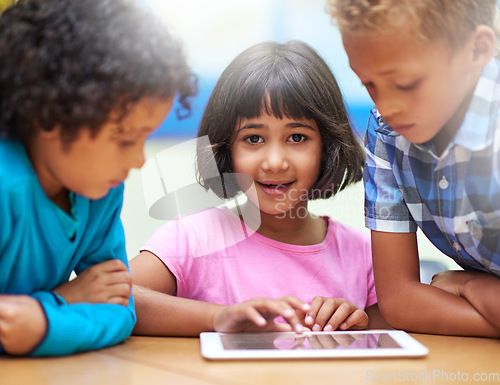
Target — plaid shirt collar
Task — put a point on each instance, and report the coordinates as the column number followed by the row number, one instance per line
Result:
column 477, row 129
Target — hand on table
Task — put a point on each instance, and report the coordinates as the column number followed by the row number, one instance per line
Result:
column 106, row 282
column 453, row 281
column 22, row 323
column 258, row 314
column 327, row 314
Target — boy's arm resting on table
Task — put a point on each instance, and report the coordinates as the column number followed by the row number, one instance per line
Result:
column 80, row 327
column 23, row 324
column 410, row 305
column 43, row 324
column 482, row 290
column 106, row 283
column 161, row 313
column 77, row 327
column 69, row 328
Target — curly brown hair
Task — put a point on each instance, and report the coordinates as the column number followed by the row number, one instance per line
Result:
column 69, row 63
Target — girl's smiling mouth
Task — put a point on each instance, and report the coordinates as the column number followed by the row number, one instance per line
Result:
column 275, row 188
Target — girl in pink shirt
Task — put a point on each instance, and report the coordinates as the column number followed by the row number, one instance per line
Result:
column 279, row 132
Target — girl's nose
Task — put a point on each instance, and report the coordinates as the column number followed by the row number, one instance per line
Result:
column 275, row 160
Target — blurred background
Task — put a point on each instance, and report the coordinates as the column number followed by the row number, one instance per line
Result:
column 213, row 33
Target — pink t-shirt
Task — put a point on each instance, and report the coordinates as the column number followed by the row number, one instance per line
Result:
column 216, row 258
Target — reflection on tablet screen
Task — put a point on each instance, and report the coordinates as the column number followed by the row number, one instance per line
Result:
column 307, row 341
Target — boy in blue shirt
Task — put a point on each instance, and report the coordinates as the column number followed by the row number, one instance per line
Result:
column 433, row 155
column 82, row 85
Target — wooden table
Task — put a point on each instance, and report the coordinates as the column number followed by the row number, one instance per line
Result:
column 177, row 361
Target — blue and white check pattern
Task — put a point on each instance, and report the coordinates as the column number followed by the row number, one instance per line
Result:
column 454, row 198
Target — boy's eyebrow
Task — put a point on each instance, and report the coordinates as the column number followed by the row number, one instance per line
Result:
column 386, row 72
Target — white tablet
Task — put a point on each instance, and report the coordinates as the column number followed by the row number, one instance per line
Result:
column 336, row 344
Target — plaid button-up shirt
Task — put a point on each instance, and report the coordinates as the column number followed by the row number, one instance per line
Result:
column 453, row 198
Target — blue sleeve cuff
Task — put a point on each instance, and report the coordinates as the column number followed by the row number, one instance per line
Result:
column 80, row 327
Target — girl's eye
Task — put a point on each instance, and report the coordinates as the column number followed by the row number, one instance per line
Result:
column 254, row 139
column 297, row 138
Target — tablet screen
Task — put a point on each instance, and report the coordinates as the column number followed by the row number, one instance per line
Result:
column 292, row 341
column 362, row 343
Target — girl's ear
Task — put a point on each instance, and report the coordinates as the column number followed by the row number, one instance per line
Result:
column 483, row 43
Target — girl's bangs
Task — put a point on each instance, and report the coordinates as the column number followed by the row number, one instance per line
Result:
column 276, row 96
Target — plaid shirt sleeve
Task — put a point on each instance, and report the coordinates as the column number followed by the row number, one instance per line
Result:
column 385, row 208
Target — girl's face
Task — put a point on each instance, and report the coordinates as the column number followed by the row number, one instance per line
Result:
column 91, row 166
column 283, row 157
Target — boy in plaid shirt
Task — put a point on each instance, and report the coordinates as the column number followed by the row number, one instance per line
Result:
column 433, row 155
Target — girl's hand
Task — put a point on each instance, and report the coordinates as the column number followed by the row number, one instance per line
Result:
column 258, row 314
column 106, row 282
column 329, row 314
column 22, row 323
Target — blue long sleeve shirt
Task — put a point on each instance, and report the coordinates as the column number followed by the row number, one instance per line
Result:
column 40, row 245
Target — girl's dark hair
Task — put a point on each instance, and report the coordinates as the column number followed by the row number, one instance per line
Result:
column 69, row 63
column 299, row 85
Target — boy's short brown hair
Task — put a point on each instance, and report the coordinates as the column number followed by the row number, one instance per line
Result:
column 449, row 20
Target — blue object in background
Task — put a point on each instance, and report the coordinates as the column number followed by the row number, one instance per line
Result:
column 230, row 26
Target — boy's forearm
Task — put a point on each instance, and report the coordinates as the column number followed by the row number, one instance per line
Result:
column 22, row 324
column 165, row 315
column 81, row 327
column 483, row 293
column 424, row 309
column 408, row 304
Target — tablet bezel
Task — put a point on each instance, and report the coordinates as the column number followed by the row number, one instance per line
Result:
column 212, row 348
